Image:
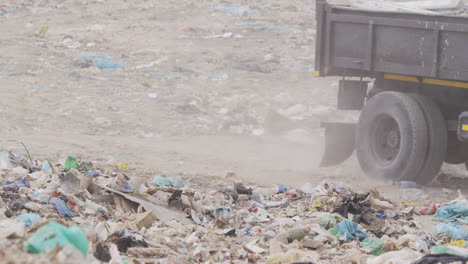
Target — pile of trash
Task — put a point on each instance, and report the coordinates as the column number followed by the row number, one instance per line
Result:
column 92, row 212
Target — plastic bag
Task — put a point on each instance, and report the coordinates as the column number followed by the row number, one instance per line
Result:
column 107, row 64
column 438, row 250
column 457, row 212
column 14, row 186
column 325, row 219
column 335, row 232
column 168, row 181
column 372, row 245
column 61, row 207
column 429, row 210
column 351, row 230
column 281, row 189
column 127, row 238
column 455, row 231
column 71, row 163
column 298, row 233
column 404, row 256
column 29, row 219
column 49, row 236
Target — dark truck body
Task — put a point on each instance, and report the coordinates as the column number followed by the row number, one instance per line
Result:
column 353, row 42
column 408, row 75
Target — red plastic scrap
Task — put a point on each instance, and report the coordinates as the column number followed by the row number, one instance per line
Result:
column 253, row 209
column 430, row 209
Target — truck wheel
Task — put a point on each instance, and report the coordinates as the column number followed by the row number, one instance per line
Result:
column 392, row 137
column 437, row 147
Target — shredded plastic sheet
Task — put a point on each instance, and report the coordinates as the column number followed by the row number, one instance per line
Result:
column 351, row 230
column 457, row 212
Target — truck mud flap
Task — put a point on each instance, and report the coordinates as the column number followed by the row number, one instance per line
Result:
column 339, row 143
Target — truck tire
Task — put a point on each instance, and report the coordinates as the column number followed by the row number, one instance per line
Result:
column 437, row 144
column 392, row 137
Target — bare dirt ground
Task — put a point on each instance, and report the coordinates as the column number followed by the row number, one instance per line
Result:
column 206, row 88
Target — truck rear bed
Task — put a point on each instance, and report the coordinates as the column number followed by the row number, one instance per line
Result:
column 359, row 42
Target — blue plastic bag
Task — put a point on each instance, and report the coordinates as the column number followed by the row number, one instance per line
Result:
column 107, row 64
column 46, row 166
column 281, row 189
column 29, row 219
column 61, row 207
column 14, row 186
column 455, row 231
column 93, row 174
column 168, row 181
column 351, row 230
column 457, row 212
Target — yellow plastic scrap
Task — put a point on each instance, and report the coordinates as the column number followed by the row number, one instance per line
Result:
column 41, row 32
column 457, row 243
column 123, row 165
column 317, row 204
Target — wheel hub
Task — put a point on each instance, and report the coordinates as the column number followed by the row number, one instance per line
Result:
column 387, row 139
column 393, row 139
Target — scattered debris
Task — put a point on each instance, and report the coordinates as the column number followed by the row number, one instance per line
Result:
column 90, row 204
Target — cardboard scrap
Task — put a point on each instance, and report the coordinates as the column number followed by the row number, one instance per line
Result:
column 161, row 212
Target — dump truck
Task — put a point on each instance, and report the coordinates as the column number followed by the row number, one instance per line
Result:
column 407, row 75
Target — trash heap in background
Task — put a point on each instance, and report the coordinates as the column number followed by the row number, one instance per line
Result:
column 92, row 212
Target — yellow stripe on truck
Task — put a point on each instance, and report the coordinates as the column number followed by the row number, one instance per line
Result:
column 446, row 83
column 465, row 127
column 398, row 77
column 406, row 78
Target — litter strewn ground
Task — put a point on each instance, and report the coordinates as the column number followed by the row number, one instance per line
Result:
column 73, row 211
column 196, row 88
